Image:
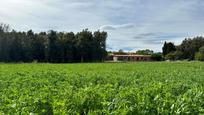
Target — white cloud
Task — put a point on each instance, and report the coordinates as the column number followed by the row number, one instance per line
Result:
column 124, row 20
column 114, row 27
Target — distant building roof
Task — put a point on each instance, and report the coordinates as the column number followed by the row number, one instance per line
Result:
column 131, row 55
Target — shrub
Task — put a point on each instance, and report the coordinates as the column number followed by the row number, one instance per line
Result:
column 199, row 56
column 157, row 57
column 177, row 55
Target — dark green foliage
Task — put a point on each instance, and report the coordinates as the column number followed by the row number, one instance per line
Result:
column 201, row 49
column 5, row 47
column 43, row 107
column 190, row 46
column 188, row 49
column 99, row 49
column 85, row 44
column 39, row 47
column 120, row 52
column 168, row 47
column 156, row 57
column 53, row 52
column 200, row 55
column 16, row 51
column 54, row 47
column 145, row 52
column 177, row 55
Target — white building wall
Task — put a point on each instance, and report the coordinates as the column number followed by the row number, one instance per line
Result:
column 115, row 59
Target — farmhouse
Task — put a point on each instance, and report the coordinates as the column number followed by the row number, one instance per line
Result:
column 129, row 57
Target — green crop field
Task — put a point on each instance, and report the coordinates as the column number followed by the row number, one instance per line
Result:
column 106, row 88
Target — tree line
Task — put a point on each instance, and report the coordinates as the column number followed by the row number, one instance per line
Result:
column 52, row 46
column 189, row 49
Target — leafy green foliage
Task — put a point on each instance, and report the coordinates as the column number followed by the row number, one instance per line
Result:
column 168, row 48
column 200, row 55
column 177, row 55
column 54, row 47
column 145, row 52
column 190, row 49
column 156, row 57
column 120, row 88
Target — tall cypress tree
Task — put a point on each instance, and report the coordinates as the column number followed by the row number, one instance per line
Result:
column 168, row 48
column 52, row 46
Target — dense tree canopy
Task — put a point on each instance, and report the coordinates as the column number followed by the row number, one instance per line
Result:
column 168, row 48
column 190, row 46
column 52, row 46
column 200, row 55
column 188, row 49
column 145, row 52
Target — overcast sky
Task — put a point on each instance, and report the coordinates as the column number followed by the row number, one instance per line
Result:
column 131, row 24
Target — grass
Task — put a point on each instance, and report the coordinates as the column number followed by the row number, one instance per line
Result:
column 105, row 88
